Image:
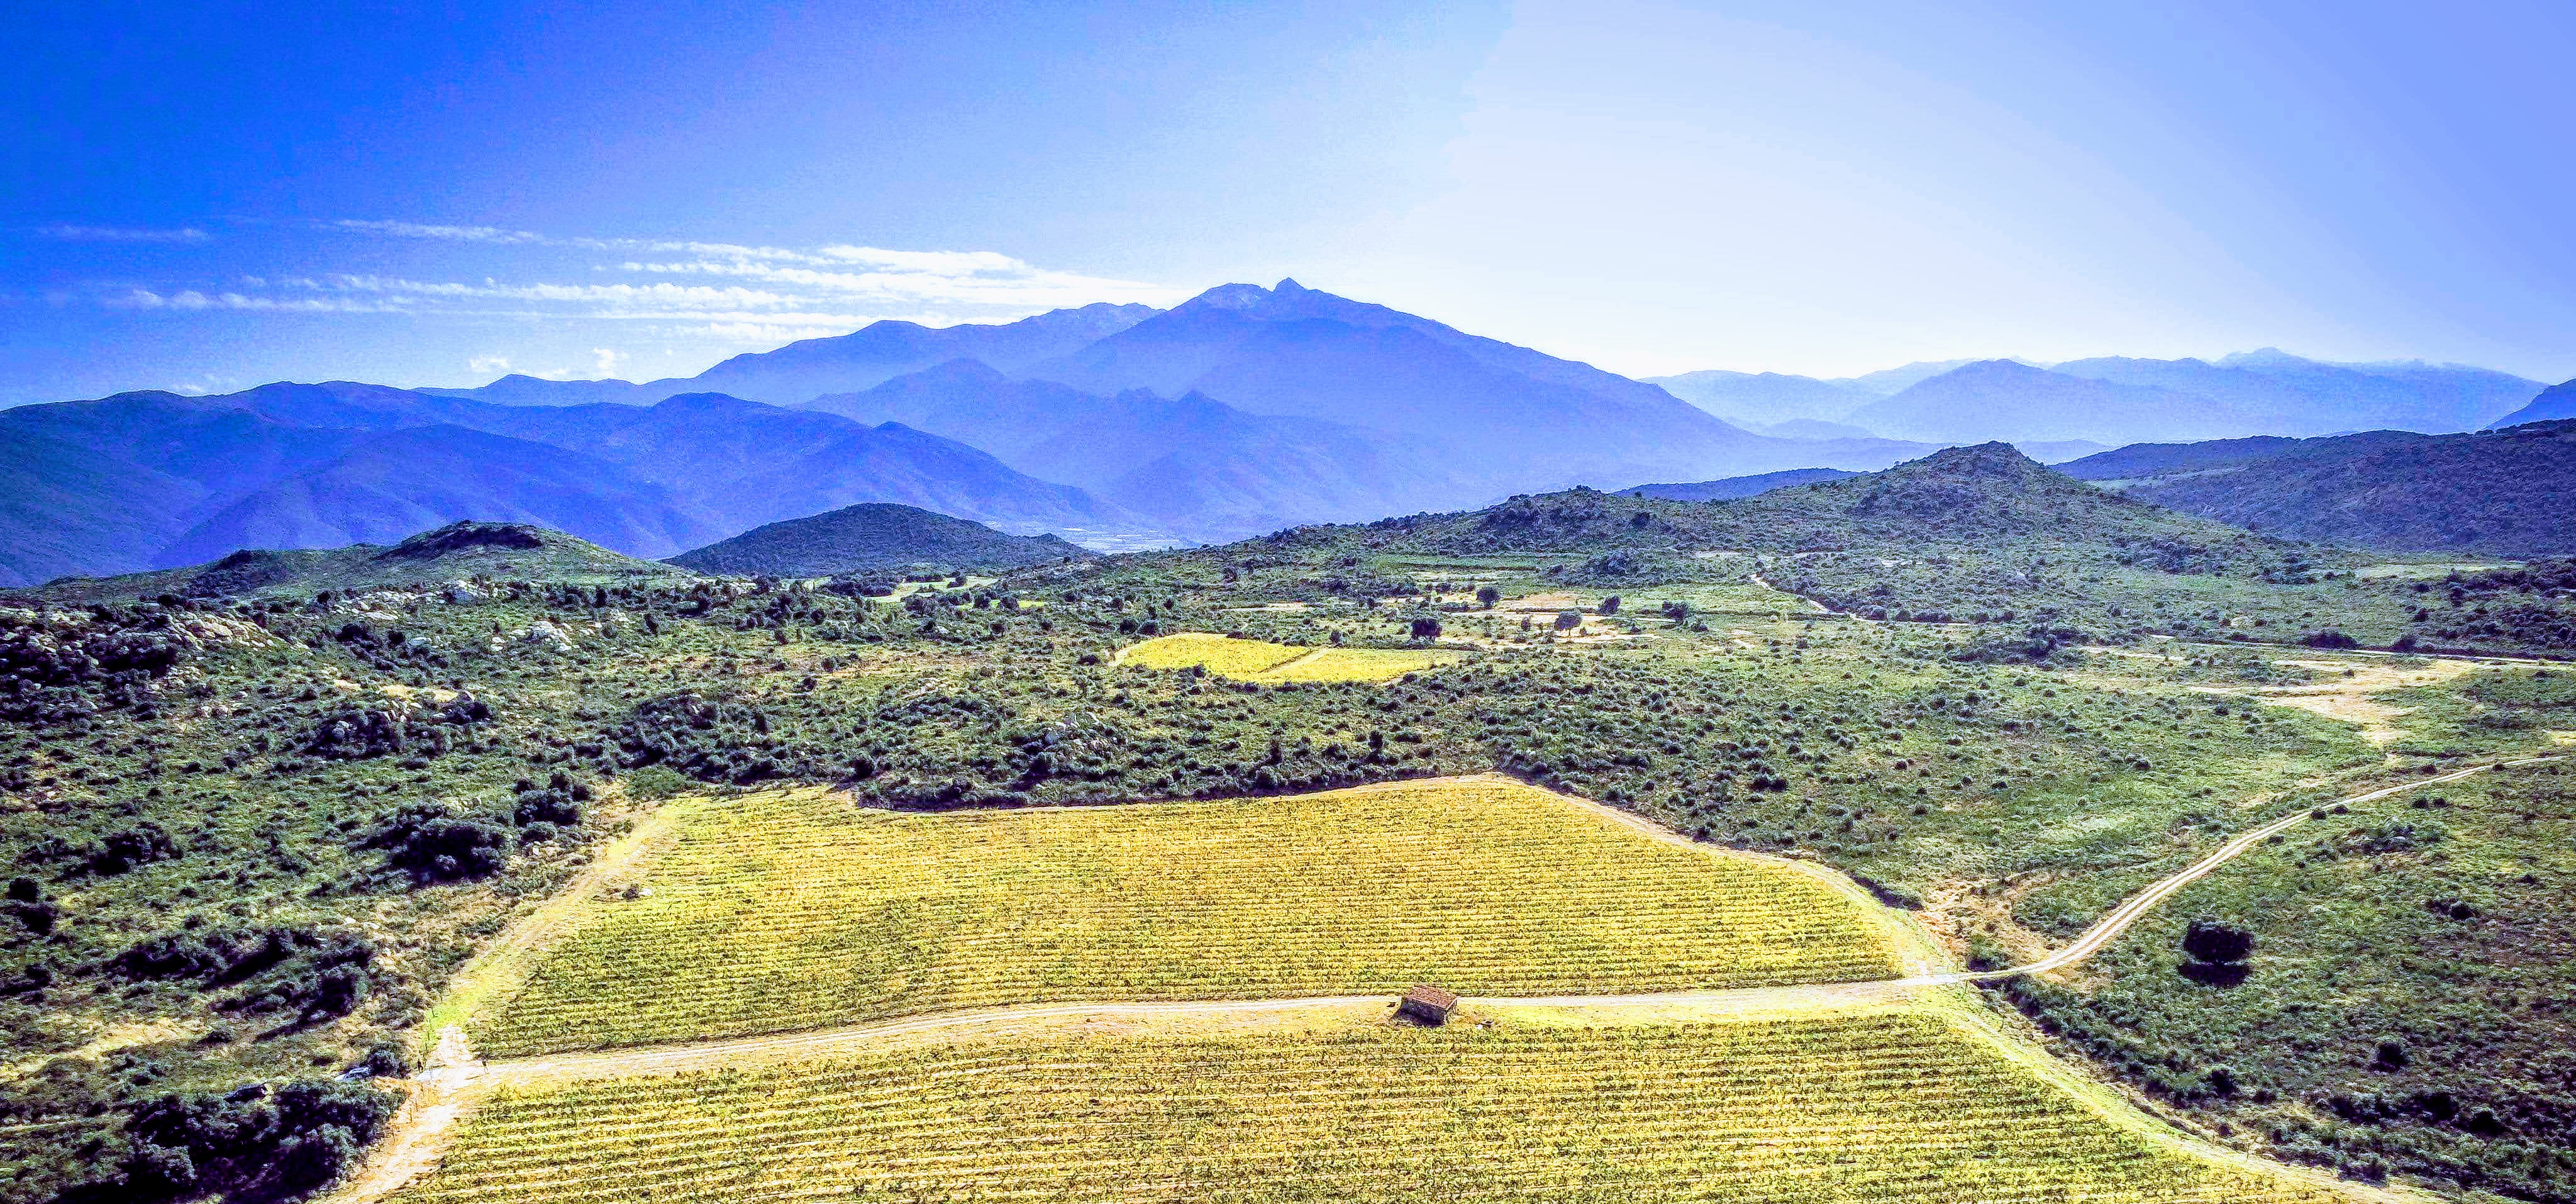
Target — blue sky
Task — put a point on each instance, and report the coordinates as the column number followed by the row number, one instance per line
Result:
column 210, row 196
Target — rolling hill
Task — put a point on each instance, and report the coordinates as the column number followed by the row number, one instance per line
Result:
column 2502, row 493
column 457, row 552
column 873, row 535
column 1986, row 496
column 1979, row 533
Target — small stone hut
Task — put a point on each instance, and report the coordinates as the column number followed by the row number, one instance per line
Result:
column 1426, row 1004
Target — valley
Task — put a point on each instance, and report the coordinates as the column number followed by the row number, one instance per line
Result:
column 648, row 603
column 298, row 821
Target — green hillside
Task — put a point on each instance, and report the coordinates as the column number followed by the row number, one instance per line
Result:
column 2498, row 493
column 874, row 535
column 464, row 551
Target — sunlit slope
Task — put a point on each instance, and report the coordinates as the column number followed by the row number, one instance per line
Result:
column 796, row 910
column 1263, row 661
column 1895, row 1107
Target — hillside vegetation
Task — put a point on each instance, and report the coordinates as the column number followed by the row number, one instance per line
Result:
column 874, row 535
column 469, row 554
column 2499, row 493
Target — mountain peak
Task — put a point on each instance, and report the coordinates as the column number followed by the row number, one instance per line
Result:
column 462, row 535
column 1232, row 296
column 1996, row 459
column 1289, row 285
column 2264, row 357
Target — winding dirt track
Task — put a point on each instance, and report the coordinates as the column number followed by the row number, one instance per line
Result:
column 456, row 1082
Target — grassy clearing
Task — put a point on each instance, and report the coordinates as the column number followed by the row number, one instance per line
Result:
column 2401, row 1012
column 1895, row 1107
column 1262, row 661
column 794, row 910
column 1222, row 655
column 1356, row 664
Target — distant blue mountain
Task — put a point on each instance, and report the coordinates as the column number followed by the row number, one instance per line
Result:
column 2554, row 403
column 1195, row 466
column 862, row 359
column 151, row 480
column 1497, row 417
column 2271, row 392
column 2265, row 392
column 1731, row 488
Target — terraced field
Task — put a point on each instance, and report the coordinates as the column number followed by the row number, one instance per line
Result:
column 1262, row 661
column 1899, row 1106
column 796, row 910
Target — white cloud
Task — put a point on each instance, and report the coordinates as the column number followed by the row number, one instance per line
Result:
column 123, row 234
column 191, row 299
column 713, row 295
column 491, row 234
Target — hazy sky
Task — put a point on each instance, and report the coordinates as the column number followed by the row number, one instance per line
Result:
column 209, row 196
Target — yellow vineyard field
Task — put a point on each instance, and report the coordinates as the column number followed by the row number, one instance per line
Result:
column 796, row 910
column 1262, row 661
column 1899, row 1108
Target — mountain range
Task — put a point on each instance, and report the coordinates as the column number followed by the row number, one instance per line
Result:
column 1243, row 410
column 2115, row 401
column 153, row 480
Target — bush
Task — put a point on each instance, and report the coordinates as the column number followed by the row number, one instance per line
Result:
column 2210, row 941
column 654, row 782
column 250, row 1142
column 432, row 845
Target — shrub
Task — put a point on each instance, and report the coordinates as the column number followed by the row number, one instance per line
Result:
column 2210, row 941
column 654, row 782
column 432, row 845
